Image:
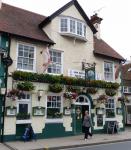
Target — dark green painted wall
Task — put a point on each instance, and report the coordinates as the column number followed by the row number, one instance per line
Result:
column 4, row 44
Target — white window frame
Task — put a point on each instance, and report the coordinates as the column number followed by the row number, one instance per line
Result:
column 110, row 107
column 55, row 120
column 25, row 101
column 113, row 76
column 126, row 89
column 61, row 62
column 34, row 63
column 84, row 28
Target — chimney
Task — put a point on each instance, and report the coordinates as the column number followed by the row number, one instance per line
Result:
column 96, row 21
column 0, row 4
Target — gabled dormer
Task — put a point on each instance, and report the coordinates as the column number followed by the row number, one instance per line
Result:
column 73, row 21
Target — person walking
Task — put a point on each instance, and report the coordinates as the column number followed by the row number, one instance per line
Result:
column 87, row 123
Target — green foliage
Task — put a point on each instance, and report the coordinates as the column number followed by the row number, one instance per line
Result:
column 56, row 88
column 25, row 86
column 46, row 78
column 22, row 116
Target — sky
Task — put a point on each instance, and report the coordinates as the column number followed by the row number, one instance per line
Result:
column 116, row 14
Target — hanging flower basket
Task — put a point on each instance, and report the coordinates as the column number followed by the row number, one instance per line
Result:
column 123, row 99
column 55, row 88
column 14, row 94
column 70, row 95
column 102, row 98
column 91, row 90
column 110, row 92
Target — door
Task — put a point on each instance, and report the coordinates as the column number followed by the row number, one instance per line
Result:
column 78, row 118
column 84, row 108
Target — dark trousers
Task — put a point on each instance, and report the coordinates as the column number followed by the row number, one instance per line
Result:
column 87, row 132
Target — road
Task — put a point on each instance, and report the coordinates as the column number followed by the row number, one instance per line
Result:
column 113, row 146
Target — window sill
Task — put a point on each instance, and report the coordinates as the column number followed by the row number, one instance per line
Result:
column 33, row 71
column 81, row 38
column 57, row 120
column 23, row 121
column 110, row 119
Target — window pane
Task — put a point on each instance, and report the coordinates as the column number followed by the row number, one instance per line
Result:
column 72, row 26
column 108, row 71
column 79, row 28
column 25, row 57
column 63, row 25
column 55, row 66
column 23, row 108
column 53, row 106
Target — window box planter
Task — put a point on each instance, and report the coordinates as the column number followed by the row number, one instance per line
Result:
column 23, row 116
column 10, row 111
column 38, row 111
column 100, row 111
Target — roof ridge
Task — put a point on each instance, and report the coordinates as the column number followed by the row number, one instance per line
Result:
column 17, row 7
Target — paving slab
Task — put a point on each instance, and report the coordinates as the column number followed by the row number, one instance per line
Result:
column 3, row 147
column 71, row 141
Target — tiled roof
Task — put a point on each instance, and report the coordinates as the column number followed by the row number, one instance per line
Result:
column 102, row 48
column 23, row 23
column 126, row 72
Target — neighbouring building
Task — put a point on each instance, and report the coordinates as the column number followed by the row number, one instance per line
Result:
column 80, row 75
column 126, row 89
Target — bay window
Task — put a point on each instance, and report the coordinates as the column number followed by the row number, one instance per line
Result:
column 72, row 26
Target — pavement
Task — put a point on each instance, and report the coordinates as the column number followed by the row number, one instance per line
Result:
column 67, row 142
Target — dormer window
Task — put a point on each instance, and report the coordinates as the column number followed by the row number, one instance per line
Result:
column 73, row 27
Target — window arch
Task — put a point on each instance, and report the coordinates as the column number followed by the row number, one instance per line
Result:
column 82, row 99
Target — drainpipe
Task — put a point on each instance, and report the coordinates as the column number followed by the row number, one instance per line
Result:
column 123, row 105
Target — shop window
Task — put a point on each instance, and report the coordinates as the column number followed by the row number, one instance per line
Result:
column 26, row 57
column 55, row 66
column 24, row 107
column 54, row 107
column 110, row 108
